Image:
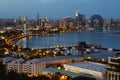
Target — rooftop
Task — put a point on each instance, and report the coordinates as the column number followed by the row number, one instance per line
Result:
column 57, row 58
column 115, row 57
column 71, row 74
column 89, row 65
column 68, row 73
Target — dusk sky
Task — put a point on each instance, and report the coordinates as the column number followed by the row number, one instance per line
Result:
column 57, row 9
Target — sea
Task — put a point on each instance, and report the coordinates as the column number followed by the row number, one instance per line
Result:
column 107, row 39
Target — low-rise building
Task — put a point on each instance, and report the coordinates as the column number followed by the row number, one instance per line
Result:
column 52, row 70
column 96, row 69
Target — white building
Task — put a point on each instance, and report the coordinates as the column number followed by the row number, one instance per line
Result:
column 96, row 69
column 33, row 67
column 15, row 65
column 20, row 66
column 7, row 60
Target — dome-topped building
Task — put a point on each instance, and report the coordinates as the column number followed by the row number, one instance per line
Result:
column 96, row 21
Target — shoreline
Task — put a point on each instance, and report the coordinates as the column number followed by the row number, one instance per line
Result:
column 15, row 40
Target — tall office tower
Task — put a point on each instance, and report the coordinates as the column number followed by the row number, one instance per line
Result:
column 24, row 23
column 38, row 21
column 78, row 19
column 42, row 23
column 113, row 68
column 25, row 19
column 19, row 21
column 83, row 20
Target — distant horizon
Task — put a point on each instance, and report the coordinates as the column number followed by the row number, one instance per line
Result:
column 52, row 18
column 57, row 9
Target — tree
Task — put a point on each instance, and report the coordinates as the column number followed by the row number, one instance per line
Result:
column 12, row 75
column 2, row 71
column 43, row 77
column 83, row 78
column 23, row 76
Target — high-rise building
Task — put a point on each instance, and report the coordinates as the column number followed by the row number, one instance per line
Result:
column 67, row 23
column 38, row 21
column 25, row 19
column 78, row 19
column 96, row 22
column 19, row 21
column 113, row 68
column 24, row 23
column 62, row 24
column 83, row 20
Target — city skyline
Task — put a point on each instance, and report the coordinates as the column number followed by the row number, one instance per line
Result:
column 57, row 9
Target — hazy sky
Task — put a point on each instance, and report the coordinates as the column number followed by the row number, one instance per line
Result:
column 56, row 9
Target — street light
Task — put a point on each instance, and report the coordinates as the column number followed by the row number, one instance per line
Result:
column 63, row 77
column 3, row 37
